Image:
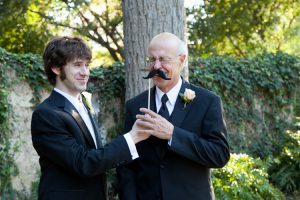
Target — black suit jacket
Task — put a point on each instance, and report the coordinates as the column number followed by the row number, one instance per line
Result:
column 182, row 170
column 71, row 166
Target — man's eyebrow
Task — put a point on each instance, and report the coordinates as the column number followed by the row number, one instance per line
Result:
column 78, row 61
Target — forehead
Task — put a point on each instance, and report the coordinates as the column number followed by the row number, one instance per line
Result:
column 162, row 46
column 80, row 60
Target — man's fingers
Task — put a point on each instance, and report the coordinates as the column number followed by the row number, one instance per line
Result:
column 149, row 112
column 145, row 118
column 148, row 132
column 145, row 124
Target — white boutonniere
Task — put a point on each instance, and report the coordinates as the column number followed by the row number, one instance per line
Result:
column 188, row 96
column 87, row 100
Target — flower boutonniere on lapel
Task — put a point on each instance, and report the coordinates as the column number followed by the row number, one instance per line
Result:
column 188, row 96
column 87, row 100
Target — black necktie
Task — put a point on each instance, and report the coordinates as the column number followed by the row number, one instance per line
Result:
column 163, row 111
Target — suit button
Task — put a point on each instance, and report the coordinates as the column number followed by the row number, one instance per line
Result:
column 162, row 166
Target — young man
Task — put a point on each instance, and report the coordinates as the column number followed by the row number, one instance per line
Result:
column 187, row 128
column 65, row 134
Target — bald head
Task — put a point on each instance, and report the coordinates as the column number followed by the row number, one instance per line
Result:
column 169, row 41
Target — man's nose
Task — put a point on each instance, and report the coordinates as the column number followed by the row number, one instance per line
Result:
column 157, row 64
column 84, row 70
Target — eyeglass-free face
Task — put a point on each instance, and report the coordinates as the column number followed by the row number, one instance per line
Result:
column 73, row 77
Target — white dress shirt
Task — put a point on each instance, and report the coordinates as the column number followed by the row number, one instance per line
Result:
column 172, row 96
column 78, row 104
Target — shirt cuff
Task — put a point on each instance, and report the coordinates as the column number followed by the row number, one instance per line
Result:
column 131, row 145
column 170, row 141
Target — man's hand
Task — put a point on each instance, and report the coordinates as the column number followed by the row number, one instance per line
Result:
column 154, row 124
column 137, row 133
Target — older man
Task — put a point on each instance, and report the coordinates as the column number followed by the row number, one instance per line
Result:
column 187, row 127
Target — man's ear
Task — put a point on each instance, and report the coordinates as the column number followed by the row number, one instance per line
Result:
column 56, row 70
column 182, row 58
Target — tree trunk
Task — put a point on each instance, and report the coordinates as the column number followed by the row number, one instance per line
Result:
column 143, row 19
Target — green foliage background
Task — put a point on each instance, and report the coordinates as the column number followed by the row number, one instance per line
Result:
column 215, row 27
column 242, row 28
column 244, row 178
column 21, row 30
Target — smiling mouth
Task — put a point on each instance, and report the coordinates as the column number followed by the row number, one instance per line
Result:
column 82, row 80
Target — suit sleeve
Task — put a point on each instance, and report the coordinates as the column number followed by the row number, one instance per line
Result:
column 210, row 148
column 54, row 141
column 126, row 173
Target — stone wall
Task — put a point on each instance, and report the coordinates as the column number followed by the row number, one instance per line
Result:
column 20, row 121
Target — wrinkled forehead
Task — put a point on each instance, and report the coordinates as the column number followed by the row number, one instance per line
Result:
column 163, row 46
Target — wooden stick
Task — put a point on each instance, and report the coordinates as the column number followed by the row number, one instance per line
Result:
column 149, row 82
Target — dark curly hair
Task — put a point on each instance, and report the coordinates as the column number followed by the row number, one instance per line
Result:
column 61, row 50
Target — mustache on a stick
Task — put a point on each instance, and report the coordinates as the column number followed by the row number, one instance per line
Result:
column 157, row 72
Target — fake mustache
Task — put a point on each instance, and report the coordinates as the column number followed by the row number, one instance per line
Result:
column 157, row 72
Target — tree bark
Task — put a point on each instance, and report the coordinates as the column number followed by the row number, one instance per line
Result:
column 143, row 19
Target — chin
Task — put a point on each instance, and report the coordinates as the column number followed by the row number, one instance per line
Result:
column 157, row 79
column 161, row 83
column 81, row 88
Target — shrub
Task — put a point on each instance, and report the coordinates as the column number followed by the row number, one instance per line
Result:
column 285, row 169
column 244, row 178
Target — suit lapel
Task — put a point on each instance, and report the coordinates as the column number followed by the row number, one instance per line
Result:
column 180, row 110
column 62, row 102
column 74, row 113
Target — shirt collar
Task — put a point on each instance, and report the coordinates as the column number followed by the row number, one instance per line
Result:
column 172, row 94
column 75, row 101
